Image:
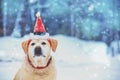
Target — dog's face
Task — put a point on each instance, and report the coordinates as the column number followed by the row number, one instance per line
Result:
column 38, row 50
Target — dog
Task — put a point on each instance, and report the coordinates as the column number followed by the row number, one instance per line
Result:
column 38, row 63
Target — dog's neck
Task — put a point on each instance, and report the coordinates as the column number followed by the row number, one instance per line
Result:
column 44, row 71
column 39, row 67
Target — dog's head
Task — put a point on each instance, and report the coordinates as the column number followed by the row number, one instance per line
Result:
column 38, row 50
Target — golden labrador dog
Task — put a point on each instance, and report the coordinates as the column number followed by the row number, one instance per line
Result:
column 38, row 63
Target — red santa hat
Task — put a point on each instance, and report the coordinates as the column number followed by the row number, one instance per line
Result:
column 39, row 26
column 39, row 29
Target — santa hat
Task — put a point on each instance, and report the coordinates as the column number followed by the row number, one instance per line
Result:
column 39, row 29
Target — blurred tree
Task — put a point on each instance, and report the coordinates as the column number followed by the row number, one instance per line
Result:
column 56, row 17
column 57, row 7
column 23, row 22
column 115, row 27
column 1, row 19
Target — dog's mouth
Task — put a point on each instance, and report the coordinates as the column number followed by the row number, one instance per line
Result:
column 38, row 52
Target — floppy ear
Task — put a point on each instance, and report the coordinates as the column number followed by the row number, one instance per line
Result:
column 25, row 45
column 53, row 44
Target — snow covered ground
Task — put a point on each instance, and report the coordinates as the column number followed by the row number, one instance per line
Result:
column 75, row 59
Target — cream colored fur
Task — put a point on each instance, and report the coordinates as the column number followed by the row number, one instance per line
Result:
column 26, row 72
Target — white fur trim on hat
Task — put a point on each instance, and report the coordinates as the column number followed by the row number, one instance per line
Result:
column 45, row 36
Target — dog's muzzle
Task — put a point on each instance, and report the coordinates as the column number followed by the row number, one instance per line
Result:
column 38, row 51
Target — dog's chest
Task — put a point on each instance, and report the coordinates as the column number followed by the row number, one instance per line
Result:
column 38, row 77
column 49, row 75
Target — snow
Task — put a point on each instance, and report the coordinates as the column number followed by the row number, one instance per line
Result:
column 80, row 51
column 75, row 59
column 32, row 1
column 10, row 49
column 91, row 7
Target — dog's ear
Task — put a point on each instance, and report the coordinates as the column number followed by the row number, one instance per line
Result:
column 25, row 45
column 53, row 44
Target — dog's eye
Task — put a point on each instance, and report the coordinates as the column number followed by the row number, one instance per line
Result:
column 33, row 44
column 43, row 43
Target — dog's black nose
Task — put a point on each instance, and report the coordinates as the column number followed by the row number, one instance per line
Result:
column 37, row 51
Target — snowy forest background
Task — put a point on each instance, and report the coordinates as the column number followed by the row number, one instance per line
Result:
column 85, row 19
column 96, row 20
column 88, row 32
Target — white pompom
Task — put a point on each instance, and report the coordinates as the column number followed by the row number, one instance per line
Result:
column 38, row 13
